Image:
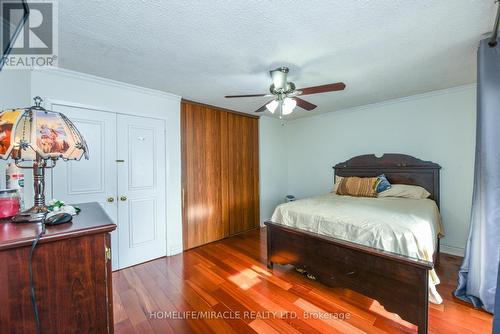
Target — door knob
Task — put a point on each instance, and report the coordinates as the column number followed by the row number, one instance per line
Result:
column 110, row 199
column 123, row 198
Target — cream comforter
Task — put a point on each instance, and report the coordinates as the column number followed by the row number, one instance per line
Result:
column 399, row 225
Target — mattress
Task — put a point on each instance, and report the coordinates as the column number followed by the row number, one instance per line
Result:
column 400, row 225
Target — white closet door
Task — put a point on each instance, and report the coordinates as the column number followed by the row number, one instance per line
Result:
column 141, row 189
column 92, row 180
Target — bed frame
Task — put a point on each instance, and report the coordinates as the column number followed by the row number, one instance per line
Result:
column 397, row 282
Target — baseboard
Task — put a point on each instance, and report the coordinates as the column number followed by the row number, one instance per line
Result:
column 174, row 250
column 457, row 251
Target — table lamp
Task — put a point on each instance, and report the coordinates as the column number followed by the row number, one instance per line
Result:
column 41, row 137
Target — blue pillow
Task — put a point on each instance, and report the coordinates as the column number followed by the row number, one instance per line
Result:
column 382, row 184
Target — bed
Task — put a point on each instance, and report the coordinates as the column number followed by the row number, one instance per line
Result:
column 359, row 251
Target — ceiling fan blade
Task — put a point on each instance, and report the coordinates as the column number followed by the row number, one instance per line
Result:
column 263, row 108
column 304, row 104
column 323, row 88
column 250, row 95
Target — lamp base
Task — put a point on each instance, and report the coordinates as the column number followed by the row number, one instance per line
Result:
column 34, row 214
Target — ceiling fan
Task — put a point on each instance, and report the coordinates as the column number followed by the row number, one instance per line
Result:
column 285, row 95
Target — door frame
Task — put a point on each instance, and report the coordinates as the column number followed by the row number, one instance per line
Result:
column 50, row 102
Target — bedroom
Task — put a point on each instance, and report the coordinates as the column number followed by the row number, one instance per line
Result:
column 187, row 178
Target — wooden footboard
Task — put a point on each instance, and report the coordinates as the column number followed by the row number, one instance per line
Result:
column 397, row 282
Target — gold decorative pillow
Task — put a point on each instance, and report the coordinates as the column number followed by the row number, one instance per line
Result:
column 358, row 186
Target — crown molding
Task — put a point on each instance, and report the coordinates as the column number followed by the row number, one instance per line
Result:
column 108, row 82
column 415, row 97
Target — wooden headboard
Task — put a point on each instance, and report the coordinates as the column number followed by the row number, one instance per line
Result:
column 398, row 168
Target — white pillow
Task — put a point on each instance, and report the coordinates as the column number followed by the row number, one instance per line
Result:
column 338, row 179
column 406, row 191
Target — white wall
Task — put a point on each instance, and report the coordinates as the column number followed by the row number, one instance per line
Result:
column 14, row 93
column 14, row 89
column 72, row 87
column 273, row 165
column 438, row 126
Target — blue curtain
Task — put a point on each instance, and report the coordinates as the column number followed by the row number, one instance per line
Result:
column 496, row 319
column 478, row 274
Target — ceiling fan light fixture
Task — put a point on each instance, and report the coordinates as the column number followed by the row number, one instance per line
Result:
column 279, row 76
column 288, row 106
column 271, row 106
column 286, row 96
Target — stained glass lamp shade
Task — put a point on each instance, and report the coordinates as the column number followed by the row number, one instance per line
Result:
column 40, row 136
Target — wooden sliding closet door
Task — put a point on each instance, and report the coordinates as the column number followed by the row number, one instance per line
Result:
column 220, row 180
column 242, row 166
column 202, row 197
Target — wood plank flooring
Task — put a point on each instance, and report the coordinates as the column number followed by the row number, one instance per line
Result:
column 224, row 287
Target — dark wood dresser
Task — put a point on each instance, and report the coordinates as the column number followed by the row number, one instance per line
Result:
column 71, row 272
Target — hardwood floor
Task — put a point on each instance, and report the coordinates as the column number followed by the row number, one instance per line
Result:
column 227, row 287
